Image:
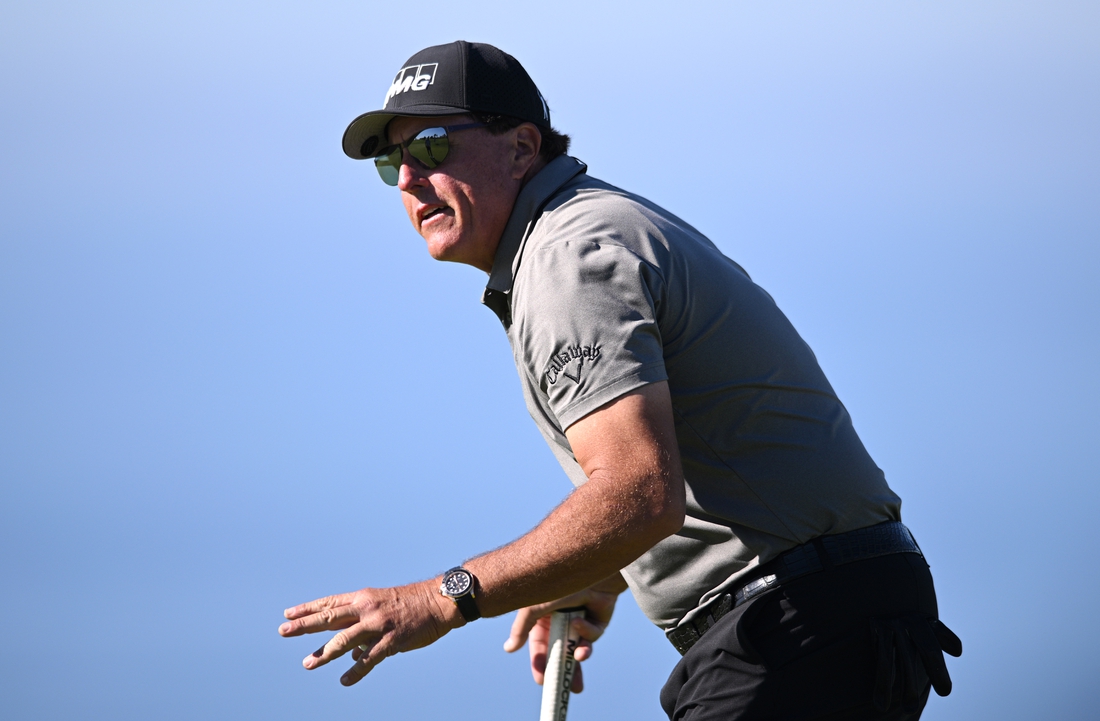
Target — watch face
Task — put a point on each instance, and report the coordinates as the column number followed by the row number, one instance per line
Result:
column 456, row 583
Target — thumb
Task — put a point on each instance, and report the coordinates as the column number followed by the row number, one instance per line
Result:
column 521, row 628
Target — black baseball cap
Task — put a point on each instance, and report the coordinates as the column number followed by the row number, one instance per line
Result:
column 460, row 77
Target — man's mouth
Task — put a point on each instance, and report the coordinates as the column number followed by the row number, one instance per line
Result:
column 431, row 213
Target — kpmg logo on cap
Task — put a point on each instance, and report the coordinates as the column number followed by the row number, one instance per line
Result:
column 414, row 77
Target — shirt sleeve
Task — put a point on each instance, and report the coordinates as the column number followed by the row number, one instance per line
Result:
column 586, row 319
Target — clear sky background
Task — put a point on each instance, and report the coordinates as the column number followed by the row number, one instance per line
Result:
column 232, row 380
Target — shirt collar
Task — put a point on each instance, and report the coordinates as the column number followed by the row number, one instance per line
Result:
column 529, row 204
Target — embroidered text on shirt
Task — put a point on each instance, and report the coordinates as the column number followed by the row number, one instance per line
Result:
column 561, row 363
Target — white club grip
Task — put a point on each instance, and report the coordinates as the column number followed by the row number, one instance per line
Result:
column 560, row 665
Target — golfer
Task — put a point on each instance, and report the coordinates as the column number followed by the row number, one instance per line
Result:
column 717, row 474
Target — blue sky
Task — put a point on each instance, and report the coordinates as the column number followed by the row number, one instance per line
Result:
column 232, row 380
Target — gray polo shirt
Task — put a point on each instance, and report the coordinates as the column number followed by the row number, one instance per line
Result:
column 602, row 292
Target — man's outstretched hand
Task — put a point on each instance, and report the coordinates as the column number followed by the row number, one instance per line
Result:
column 383, row 621
column 533, row 624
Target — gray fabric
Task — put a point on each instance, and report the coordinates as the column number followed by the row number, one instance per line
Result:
column 602, row 292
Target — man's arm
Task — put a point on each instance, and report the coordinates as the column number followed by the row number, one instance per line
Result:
column 634, row 497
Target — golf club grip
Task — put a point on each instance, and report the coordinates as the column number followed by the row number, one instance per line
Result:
column 560, row 665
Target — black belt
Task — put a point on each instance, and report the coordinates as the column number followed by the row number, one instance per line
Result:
column 823, row 552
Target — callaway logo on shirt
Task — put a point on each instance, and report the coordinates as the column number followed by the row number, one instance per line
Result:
column 570, row 361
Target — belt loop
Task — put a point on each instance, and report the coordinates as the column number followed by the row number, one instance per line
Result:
column 822, row 554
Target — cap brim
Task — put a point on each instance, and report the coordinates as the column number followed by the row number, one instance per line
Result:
column 373, row 125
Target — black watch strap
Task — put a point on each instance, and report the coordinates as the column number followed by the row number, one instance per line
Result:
column 467, row 606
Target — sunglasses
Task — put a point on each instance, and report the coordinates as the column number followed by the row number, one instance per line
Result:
column 430, row 147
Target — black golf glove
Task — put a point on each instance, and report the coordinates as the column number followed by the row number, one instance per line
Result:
column 903, row 642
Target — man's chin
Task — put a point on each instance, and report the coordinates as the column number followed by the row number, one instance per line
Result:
column 443, row 250
column 455, row 251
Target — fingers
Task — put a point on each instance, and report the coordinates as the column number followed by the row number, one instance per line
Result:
column 530, row 627
column 320, row 604
column 538, row 672
column 368, row 656
column 539, row 646
column 577, row 684
column 590, row 628
column 583, row 652
column 538, row 667
column 587, row 630
column 931, row 655
column 332, row 618
column 600, row 607
column 947, row 639
column 339, row 645
column 526, row 619
column 372, row 624
column 540, row 650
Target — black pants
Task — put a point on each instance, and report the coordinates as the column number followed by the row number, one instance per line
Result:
column 813, row 649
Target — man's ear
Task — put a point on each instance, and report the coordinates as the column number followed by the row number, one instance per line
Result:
column 528, row 141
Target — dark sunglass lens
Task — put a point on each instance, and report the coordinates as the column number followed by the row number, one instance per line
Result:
column 389, row 165
column 430, row 146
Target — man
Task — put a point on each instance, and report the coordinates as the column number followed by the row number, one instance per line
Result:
column 717, row 475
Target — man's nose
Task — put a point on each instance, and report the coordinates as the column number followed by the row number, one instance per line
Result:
column 409, row 174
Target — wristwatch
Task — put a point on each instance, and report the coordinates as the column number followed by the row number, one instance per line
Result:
column 460, row 586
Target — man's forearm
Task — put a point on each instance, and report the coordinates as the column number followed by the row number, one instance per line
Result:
column 592, row 535
column 634, row 497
